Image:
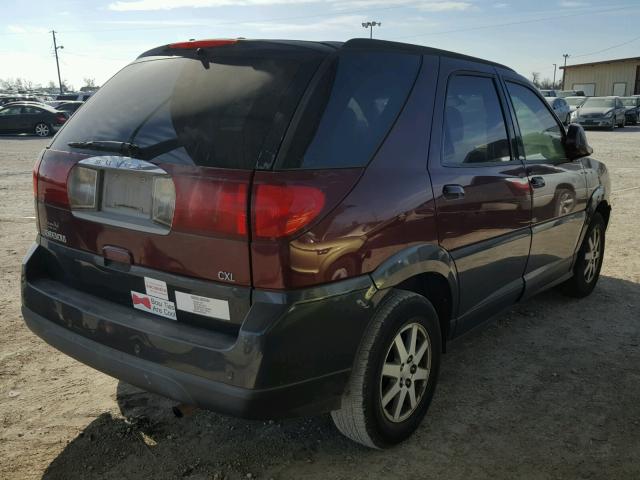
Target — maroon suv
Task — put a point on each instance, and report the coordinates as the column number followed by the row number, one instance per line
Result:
column 277, row 228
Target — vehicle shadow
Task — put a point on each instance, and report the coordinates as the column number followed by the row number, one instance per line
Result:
column 550, row 386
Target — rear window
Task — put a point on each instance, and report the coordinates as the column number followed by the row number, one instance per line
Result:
column 350, row 111
column 215, row 111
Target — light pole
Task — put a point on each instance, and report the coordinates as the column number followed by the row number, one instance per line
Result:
column 57, row 47
column 554, row 74
column 370, row 26
column 564, row 69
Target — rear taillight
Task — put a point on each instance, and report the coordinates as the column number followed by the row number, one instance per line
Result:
column 211, row 206
column 282, row 210
column 60, row 119
column 34, row 175
column 82, row 188
column 163, row 201
column 52, row 178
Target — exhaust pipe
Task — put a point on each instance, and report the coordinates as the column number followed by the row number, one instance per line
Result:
column 183, row 410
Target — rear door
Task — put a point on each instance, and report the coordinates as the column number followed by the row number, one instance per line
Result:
column 483, row 199
column 558, row 185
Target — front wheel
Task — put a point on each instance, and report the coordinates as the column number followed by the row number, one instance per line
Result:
column 394, row 374
column 586, row 270
column 42, row 130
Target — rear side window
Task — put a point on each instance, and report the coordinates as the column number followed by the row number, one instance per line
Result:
column 474, row 127
column 541, row 133
column 350, row 111
column 213, row 111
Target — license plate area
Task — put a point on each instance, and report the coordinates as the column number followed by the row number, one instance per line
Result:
column 125, row 194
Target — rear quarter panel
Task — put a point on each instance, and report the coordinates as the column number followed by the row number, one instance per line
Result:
column 389, row 209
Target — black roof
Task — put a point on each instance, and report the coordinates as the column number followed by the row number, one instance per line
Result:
column 355, row 43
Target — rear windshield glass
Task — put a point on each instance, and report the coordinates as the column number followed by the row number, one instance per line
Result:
column 351, row 110
column 213, row 111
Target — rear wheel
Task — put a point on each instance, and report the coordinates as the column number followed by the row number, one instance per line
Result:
column 42, row 130
column 395, row 373
column 586, row 270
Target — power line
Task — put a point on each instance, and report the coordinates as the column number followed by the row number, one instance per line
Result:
column 519, row 22
column 635, row 39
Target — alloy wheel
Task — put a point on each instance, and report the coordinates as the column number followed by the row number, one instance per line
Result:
column 593, row 255
column 42, row 130
column 405, row 372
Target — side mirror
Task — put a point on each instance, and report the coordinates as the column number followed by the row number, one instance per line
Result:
column 575, row 142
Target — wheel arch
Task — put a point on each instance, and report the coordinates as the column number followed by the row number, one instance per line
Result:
column 599, row 203
column 427, row 270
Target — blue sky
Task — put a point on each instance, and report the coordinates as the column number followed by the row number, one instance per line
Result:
column 101, row 36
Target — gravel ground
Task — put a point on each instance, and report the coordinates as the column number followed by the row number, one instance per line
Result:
column 549, row 389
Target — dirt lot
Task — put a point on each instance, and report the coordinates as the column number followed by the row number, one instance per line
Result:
column 551, row 389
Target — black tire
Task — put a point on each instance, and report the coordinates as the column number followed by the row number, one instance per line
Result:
column 42, row 129
column 362, row 417
column 580, row 285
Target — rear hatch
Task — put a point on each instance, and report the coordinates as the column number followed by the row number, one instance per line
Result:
column 155, row 171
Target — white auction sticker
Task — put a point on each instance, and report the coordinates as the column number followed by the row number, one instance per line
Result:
column 156, row 288
column 157, row 306
column 209, row 307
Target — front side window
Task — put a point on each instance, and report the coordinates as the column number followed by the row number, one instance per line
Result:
column 474, row 127
column 542, row 136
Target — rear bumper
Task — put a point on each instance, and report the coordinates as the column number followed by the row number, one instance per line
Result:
column 291, row 356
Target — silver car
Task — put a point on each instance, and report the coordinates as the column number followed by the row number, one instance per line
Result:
column 561, row 108
column 601, row 112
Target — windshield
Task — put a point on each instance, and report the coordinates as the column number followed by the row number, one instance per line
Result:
column 629, row 101
column 216, row 111
column 595, row 102
column 575, row 101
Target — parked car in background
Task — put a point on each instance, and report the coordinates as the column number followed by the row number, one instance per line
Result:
column 26, row 117
column 601, row 112
column 18, row 98
column 574, row 104
column 70, row 97
column 561, row 108
column 570, row 93
column 168, row 213
column 549, row 93
column 69, row 107
column 632, row 107
column 21, row 102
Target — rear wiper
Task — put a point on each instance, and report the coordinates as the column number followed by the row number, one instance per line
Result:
column 123, row 148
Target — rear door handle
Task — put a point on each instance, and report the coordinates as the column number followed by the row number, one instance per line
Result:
column 453, row 192
column 537, row 182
